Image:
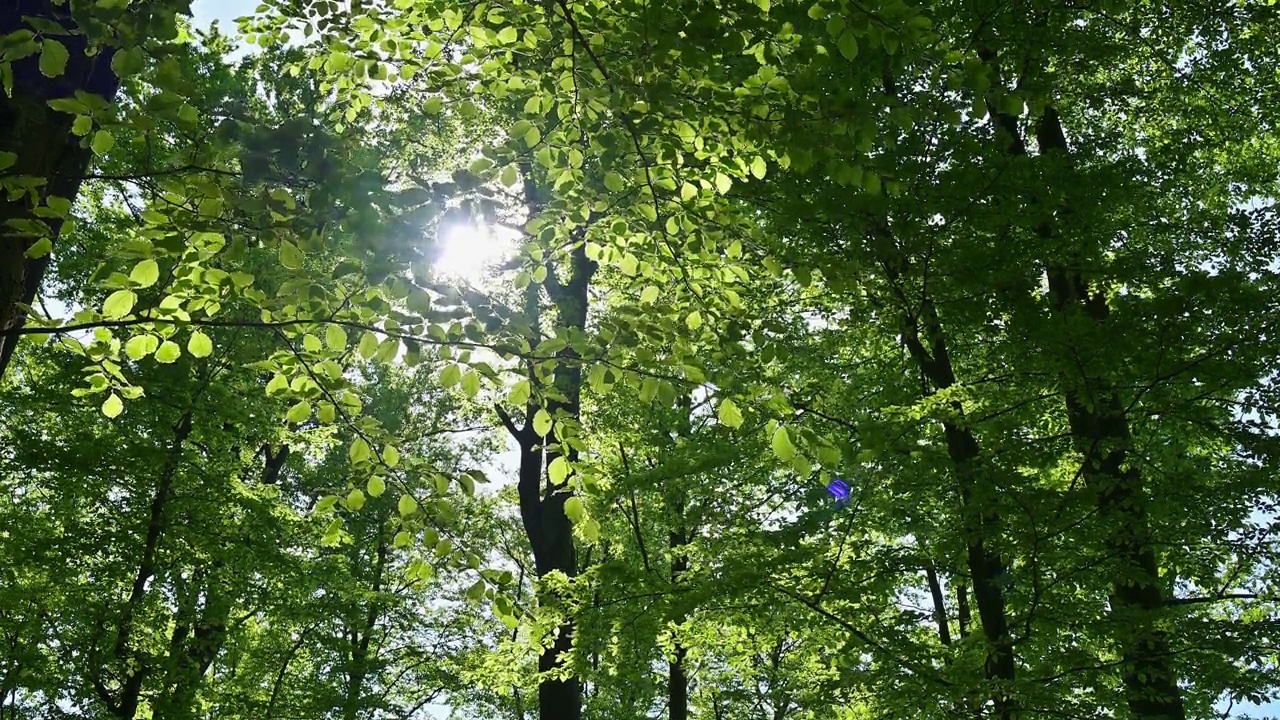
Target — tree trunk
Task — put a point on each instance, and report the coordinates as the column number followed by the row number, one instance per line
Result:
column 677, row 675
column 542, row 504
column 939, row 604
column 194, row 644
column 123, row 703
column 1100, row 432
column 39, row 151
column 362, row 634
column 987, row 567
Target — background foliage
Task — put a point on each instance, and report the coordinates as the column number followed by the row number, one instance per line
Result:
column 1007, row 269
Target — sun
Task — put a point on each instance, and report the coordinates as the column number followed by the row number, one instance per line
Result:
column 469, row 249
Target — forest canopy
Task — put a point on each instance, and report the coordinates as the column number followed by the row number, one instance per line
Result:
column 697, row 360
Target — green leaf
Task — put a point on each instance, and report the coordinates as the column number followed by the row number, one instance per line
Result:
column 127, row 62
column 335, row 338
column 723, row 183
column 433, row 105
column 758, row 167
column 140, row 346
column 558, row 471
column 113, row 406
column 451, row 375
column 199, row 345
column 299, row 413
column 848, row 45
column 40, row 248
column 388, row 348
column 368, row 345
column 102, row 142
column 57, row 206
column 145, row 273
column 648, row 389
column 613, row 181
column 53, row 58
column 729, row 414
column 693, row 320
column 471, row 383
column 119, row 303
column 390, row 455
column 355, row 499
column 359, row 451
column 510, row 176
column 649, row 294
column 541, row 422
column 575, row 509
column 781, row 444
column 290, row 255
column 278, row 384
column 168, row 352
column 407, row 506
column 520, row 393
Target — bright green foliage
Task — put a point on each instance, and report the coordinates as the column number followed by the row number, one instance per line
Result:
column 1008, row 270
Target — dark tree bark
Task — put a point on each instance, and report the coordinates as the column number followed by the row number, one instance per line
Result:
column 43, row 149
column 1100, row 432
column 939, row 605
column 981, row 520
column 123, row 702
column 196, row 640
column 542, row 504
column 927, row 343
column 677, row 675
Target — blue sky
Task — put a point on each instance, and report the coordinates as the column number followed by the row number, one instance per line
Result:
column 224, row 11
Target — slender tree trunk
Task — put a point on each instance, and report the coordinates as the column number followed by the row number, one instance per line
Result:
column 38, row 148
column 962, row 609
column 677, row 675
column 196, row 640
column 562, row 699
column 542, row 504
column 123, row 703
column 277, row 686
column 678, row 539
column 987, row 567
column 362, row 634
column 1100, row 432
column 939, row 605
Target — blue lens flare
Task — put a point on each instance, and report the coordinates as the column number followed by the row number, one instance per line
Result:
column 839, row 490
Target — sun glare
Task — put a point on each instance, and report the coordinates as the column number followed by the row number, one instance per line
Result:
column 468, row 250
